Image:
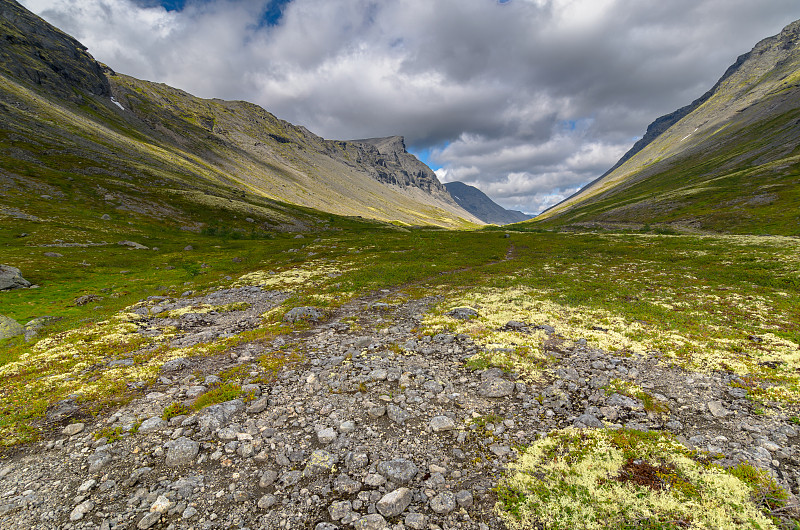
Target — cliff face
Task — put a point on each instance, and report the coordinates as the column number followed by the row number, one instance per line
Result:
column 35, row 52
column 390, row 163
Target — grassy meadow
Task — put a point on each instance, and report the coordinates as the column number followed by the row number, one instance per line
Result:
column 729, row 303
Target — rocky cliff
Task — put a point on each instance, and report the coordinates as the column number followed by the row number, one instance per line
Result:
column 34, row 51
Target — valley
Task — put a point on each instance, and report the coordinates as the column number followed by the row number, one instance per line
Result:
column 211, row 318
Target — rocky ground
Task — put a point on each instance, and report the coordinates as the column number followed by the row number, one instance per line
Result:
column 373, row 426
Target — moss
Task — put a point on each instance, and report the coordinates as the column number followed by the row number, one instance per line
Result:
column 175, row 409
column 220, row 394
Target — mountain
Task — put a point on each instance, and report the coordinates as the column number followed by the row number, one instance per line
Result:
column 73, row 129
column 481, row 206
column 728, row 162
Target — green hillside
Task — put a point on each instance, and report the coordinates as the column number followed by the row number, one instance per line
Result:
column 731, row 165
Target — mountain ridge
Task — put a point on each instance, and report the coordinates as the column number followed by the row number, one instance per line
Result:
column 741, row 133
column 173, row 143
column 482, row 206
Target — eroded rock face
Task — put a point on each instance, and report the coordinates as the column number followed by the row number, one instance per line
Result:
column 11, row 278
column 62, row 64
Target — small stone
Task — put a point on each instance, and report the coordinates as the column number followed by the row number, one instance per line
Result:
column 189, row 512
column 149, row 520
column 442, row 423
column 443, row 503
column 464, row 498
column 319, row 462
column 161, row 505
column 496, row 388
column 267, row 501
column 400, row 470
column 395, row 502
column 326, row 526
column 416, row 521
column 105, row 217
column 182, row 451
column 73, row 429
column 327, row 435
column 370, row 522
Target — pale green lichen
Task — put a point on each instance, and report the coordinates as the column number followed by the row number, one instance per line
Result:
column 605, row 479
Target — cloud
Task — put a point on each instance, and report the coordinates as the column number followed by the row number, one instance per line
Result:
column 526, row 99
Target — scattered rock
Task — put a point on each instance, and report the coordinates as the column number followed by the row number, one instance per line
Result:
column 463, row 313
column 11, row 278
column 300, row 314
column 182, row 451
column 10, row 328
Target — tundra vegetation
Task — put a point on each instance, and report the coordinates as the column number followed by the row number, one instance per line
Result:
column 703, row 302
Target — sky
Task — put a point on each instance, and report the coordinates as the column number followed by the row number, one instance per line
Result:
column 528, row 100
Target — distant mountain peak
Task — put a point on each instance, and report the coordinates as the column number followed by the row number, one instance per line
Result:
column 481, row 206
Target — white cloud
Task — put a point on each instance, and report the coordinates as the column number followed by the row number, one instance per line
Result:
column 526, row 99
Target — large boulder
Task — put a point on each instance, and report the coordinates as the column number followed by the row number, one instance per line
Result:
column 10, row 278
column 10, row 328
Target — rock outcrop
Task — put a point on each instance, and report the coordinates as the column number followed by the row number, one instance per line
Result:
column 11, row 278
column 40, row 54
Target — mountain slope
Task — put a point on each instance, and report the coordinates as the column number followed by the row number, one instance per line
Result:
column 481, row 206
column 728, row 162
column 151, row 147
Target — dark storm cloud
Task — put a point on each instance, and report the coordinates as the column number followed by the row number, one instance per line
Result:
column 526, row 99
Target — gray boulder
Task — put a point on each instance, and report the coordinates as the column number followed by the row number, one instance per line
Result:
column 10, row 328
column 463, row 313
column 299, row 314
column 10, row 278
column 182, row 451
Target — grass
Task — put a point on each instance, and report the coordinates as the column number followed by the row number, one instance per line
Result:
column 694, row 301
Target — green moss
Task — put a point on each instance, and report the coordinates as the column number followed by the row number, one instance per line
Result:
column 175, row 409
column 220, row 394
